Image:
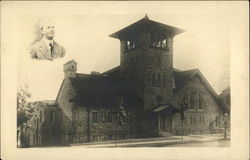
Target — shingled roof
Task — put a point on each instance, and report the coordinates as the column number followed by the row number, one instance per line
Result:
column 180, row 79
column 104, row 90
column 138, row 26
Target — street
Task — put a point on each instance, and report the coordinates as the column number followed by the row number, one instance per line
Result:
column 213, row 140
column 220, row 143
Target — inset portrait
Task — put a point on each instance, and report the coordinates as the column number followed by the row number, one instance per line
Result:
column 45, row 47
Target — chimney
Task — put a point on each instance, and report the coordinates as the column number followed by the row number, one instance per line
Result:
column 69, row 69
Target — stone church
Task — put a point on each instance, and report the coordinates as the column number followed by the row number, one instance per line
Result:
column 142, row 97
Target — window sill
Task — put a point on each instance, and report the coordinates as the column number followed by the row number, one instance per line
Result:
column 165, row 49
column 193, row 110
column 133, row 49
column 101, row 124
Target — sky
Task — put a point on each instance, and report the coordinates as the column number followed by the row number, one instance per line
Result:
column 84, row 32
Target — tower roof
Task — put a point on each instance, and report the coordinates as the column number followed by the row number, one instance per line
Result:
column 148, row 24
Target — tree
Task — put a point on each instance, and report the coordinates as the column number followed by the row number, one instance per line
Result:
column 25, row 112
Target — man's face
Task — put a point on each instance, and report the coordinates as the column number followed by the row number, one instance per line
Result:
column 48, row 31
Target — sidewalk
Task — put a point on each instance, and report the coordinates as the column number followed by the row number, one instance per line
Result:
column 157, row 141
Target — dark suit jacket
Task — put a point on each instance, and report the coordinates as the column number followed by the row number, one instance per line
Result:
column 39, row 50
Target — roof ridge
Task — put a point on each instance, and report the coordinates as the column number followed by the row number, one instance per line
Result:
column 146, row 20
column 112, row 69
column 195, row 69
column 72, row 60
column 82, row 74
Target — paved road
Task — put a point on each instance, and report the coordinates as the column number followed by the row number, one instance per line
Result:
column 172, row 141
column 219, row 143
column 222, row 143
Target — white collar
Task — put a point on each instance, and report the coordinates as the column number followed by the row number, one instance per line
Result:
column 47, row 41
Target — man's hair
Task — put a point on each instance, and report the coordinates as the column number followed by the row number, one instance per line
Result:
column 39, row 26
column 42, row 22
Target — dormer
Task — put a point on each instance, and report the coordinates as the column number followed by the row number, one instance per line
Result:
column 70, row 69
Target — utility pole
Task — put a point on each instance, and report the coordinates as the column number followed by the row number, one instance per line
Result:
column 116, row 139
column 182, row 131
column 88, row 125
column 225, row 126
column 182, row 116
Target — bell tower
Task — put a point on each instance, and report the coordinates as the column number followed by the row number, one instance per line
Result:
column 146, row 56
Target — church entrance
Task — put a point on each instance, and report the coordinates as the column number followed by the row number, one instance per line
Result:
column 165, row 118
column 165, row 123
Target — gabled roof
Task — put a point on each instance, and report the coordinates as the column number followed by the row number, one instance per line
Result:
column 116, row 70
column 112, row 71
column 225, row 91
column 167, row 109
column 105, row 88
column 139, row 25
column 96, row 90
column 71, row 61
column 180, row 79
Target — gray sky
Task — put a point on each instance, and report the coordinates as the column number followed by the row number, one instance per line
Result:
column 84, row 32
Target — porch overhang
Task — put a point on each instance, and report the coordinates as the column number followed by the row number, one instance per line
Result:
column 168, row 109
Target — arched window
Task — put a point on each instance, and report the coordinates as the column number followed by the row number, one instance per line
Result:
column 184, row 100
column 200, row 103
column 159, row 40
column 131, row 44
column 94, row 117
column 193, row 100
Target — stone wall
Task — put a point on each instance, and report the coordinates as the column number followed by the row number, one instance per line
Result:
column 44, row 130
column 202, row 118
column 150, row 66
column 66, row 92
column 87, row 130
column 50, row 130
